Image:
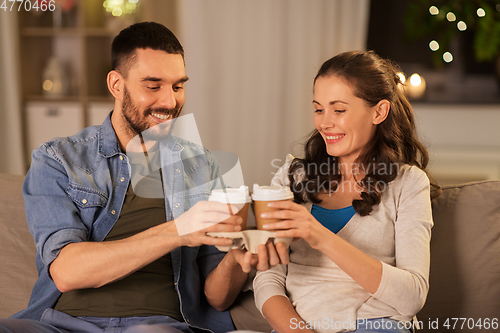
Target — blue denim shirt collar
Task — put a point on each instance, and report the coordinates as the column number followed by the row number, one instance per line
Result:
column 107, row 140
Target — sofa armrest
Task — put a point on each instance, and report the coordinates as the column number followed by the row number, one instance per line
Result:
column 17, row 248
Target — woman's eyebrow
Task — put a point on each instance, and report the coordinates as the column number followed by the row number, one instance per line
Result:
column 332, row 102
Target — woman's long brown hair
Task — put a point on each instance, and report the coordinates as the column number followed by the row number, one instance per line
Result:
column 394, row 143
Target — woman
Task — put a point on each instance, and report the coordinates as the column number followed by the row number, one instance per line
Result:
column 362, row 209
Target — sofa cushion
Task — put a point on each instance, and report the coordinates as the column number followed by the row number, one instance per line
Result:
column 17, row 248
column 465, row 257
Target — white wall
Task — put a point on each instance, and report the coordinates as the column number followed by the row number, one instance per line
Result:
column 463, row 140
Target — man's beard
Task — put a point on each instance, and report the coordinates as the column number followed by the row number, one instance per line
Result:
column 137, row 125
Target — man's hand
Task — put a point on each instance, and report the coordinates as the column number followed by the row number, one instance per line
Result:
column 207, row 216
column 267, row 256
column 225, row 282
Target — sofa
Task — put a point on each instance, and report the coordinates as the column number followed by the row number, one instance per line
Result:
column 464, row 290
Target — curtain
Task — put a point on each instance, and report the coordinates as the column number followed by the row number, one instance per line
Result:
column 251, row 65
column 11, row 138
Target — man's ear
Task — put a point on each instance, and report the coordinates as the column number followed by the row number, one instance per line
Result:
column 381, row 111
column 115, row 84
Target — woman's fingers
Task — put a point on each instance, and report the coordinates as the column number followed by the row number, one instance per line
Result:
column 295, row 233
column 285, row 224
column 285, row 205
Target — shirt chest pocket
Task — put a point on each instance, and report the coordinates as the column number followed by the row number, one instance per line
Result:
column 89, row 202
column 198, row 185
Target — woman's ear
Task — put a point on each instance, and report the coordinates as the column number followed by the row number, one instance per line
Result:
column 115, row 84
column 381, row 111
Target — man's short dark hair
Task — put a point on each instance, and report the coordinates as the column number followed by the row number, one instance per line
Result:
column 142, row 35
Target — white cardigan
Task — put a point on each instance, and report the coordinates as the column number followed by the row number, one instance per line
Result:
column 397, row 233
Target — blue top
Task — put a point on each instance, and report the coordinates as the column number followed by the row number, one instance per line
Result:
column 74, row 192
column 333, row 219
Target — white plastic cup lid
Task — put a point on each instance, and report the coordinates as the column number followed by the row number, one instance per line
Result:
column 239, row 195
column 271, row 193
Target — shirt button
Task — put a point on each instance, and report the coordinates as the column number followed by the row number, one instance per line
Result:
column 177, row 146
column 121, row 157
column 177, row 205
column 122, row 179
column 84, row 201
column 178, row 170
column 113, row 212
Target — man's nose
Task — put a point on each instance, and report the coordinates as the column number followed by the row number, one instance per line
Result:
column 167, row 99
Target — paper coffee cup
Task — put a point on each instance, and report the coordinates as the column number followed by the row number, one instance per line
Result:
column 262, row 195
column 239, row 197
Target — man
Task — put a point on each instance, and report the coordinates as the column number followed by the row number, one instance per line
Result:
column 106, row 257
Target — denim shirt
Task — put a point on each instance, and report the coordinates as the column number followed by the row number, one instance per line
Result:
column 74, row 192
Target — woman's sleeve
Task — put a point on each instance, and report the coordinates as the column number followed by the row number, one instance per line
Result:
column 405, row 286
column 267, row 284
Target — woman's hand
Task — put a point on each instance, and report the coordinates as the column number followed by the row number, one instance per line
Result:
column 365, row 270
column 297, row 222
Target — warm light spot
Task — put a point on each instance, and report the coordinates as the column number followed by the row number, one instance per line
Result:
column 433, row 45
column 451, row 17
column 461, row 26
column 480, row 12
column 433, row 10
column 447, row 57
column 415, row 80
column 402, row 77
column 117, row 11
column 120, row 7
column 416, row 88
column 130, row 8
column 47, row 85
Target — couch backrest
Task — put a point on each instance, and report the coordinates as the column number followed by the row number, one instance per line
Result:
column 17, row 249
column 465, row 259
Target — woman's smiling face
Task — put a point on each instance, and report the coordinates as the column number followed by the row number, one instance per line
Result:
column 345, row 121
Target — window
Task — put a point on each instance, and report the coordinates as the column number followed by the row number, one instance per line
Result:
column 463, row 80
